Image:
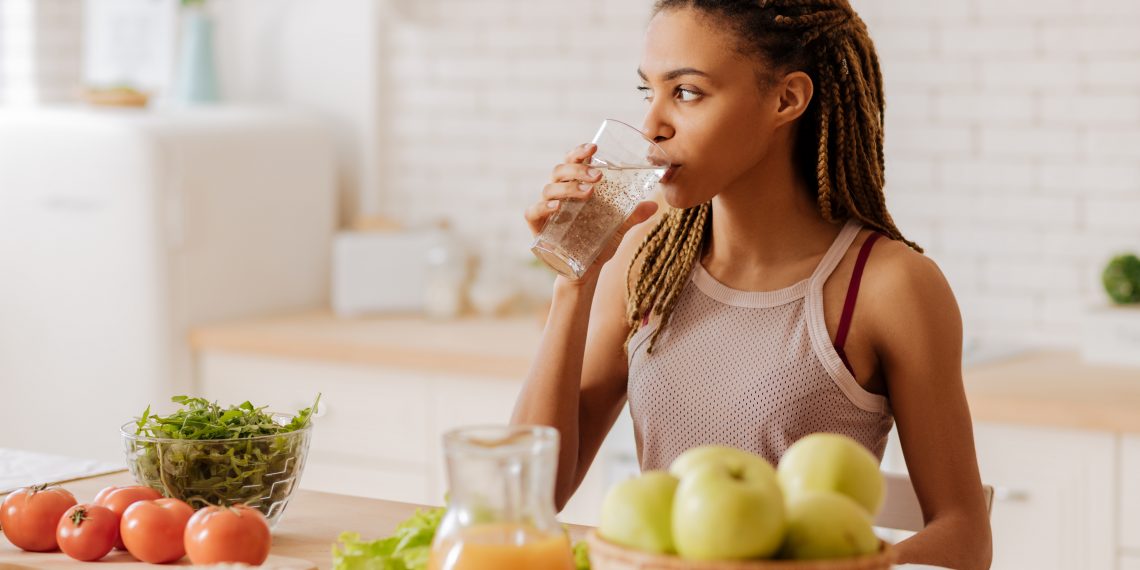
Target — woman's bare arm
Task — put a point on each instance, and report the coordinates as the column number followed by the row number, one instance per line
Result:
column 577, row 381
column 918, row 339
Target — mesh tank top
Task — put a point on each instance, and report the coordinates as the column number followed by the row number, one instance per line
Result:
column 753, row 370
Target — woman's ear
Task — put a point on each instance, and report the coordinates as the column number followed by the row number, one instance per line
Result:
column 795, row 91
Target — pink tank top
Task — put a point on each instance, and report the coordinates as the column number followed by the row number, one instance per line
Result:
column 755, row 370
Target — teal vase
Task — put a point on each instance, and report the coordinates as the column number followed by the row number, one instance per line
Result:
column 197, row 77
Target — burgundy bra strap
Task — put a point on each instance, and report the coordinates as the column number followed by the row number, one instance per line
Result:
column 852, row 293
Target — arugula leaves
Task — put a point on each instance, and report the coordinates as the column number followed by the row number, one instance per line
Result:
column 208, row 455
column 202, row 419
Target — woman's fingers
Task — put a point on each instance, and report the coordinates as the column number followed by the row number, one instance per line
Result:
column 567, row 191
column 571, row 180
column 569, row 171
column 537, row 214
column 581, row 153
column 552, row 195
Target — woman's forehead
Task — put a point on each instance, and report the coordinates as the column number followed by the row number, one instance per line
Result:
column 686, row 39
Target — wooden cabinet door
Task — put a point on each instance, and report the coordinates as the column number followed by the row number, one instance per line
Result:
column 1054, row 503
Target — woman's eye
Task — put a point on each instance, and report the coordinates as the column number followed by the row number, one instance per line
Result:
column 687, row 95
column 682, row 94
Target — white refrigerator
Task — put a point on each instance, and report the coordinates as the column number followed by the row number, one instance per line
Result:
column 120, row 230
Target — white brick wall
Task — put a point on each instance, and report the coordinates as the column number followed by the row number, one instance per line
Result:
column 1013, row 131
column 485, row 96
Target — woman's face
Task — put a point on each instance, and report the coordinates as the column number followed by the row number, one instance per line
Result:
column 705, row 105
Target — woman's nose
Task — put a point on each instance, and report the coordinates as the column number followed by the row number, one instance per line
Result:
column 656, row 126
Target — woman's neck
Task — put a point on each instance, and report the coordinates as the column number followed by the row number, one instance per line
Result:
column 767, row 231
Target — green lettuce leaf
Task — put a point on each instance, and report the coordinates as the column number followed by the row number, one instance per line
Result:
column 407, row 549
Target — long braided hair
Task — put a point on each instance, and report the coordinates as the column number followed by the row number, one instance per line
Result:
column 838, row 149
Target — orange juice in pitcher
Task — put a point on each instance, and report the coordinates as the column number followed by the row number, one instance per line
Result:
column 500, row 512
column 498, row 546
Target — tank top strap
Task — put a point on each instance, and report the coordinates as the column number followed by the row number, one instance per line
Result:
column 835, row 253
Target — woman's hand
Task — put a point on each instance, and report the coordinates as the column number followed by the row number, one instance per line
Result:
column 574, row 179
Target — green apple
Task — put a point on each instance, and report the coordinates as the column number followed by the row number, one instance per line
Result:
column 824, row 525
column 638, row 513
column 729, row 456
column 832, row 462
column 728, row 510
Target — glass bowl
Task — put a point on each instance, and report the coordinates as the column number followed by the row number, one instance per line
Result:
column 261, row 471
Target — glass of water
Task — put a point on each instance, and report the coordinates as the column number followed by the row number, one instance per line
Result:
column 631, row 165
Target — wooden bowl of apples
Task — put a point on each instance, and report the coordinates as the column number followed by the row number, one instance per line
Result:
column 722, row 508
column 605, row 555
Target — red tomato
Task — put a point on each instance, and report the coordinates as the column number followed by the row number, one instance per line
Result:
column 87, row 532
column 29, row 516
column 117, row 499
column 236, row 534
column 152, row 530
column 98, row 500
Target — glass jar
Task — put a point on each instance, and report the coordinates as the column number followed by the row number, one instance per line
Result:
column 445, row 276
column 500, row 511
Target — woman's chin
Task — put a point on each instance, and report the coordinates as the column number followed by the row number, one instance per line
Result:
column 677, row 197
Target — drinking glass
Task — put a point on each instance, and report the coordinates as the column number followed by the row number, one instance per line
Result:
column 631, row 165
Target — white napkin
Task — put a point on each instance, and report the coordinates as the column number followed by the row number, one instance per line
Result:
column 24, row 468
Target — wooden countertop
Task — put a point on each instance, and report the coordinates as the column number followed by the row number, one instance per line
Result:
column 1049, row 388
column 303, row 538
column 1055, row 389
column 491, row 347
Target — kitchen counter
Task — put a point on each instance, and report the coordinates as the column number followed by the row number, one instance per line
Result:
column 1055, row 389
column 1048, row 388
column 303, row 538
column 490, row 347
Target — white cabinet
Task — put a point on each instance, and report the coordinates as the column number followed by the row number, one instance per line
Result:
column 1130, row 494
column 1054, row 502
column 378, row 430
column 1062, row 498
column 371, row 437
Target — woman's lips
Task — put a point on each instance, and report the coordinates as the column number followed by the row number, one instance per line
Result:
column 669, row 173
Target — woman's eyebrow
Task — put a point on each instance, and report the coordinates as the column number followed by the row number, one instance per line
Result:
column 674, row 74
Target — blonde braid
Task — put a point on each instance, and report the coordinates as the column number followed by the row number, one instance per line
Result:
column 689, row 226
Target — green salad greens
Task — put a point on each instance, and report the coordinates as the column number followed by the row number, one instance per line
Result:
column 208, row 455
column 581, row 555
column 408, row 548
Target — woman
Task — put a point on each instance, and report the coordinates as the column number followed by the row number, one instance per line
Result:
column 731, row 317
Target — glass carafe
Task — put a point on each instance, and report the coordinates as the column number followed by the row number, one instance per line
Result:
column 500, row 508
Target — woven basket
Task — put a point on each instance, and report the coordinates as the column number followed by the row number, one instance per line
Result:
column 609, row 556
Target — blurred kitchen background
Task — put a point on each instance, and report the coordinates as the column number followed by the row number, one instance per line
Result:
column 266, row 199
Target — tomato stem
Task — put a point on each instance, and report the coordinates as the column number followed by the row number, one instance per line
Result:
column 78, row 516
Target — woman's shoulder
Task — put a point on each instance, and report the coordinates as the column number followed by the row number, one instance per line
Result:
column 894, row 265
column 901, row 285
